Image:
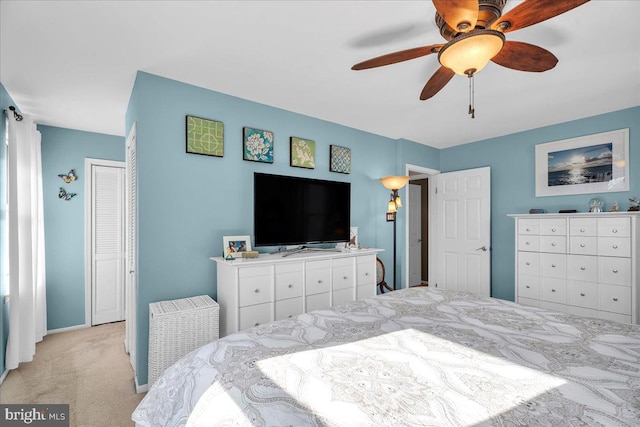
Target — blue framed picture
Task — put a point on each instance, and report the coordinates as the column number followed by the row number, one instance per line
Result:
column 257, row 145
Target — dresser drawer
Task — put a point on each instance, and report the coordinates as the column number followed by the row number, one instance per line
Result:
column 342, row 277
column 614, row 246
column 529, row 243
column 553, row 265
column 529, row 226
column 583, row 294
column 555, row 244
column 254, row 271
column 342, row 296
column 289, row 284
column 583, row 268
column 614, row 298
column 529, row 263
column 288, row 308
column 553, row 290
column 583, row 227
column 318, row 280
column 614, row 227
column 318, row 301
column 553, row 227
column 254, row 290
column 365, row 291
column 366, row 270
column 528, row 286
column 615, row 271
column 255, row 315
column 583, row 245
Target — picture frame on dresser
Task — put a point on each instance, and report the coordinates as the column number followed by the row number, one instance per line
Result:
column 234, row 246
column 597, row 163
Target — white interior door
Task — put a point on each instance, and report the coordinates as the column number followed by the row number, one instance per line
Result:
column 415, row 241
column 131, row 249
column 464, row 231
column 106, row 182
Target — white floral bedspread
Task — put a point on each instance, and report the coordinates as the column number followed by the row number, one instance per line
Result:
column 413, row 357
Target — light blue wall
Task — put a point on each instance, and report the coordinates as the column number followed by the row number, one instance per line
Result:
column 512, row 161
column 62, row 150
column 5, row 102
column 187, row 203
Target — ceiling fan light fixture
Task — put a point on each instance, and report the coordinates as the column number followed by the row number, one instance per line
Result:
column 470, row 52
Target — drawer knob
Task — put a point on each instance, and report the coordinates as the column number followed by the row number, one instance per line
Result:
column 582, row 230
column 553, row 265
column 528, row 229
column 256, row 324
column 614, row 231
column 290, row 316
column 526, row 243
column 582, row 245
column 366, row 274
column 527, row 263
column 615, row 270
column 615, row 299
column 256, row 291
column 553, row 244
column 581, row 294
column 527, row 286
column 553, row 230
column 345, row 277
column 553, row 290
column 583, row 268
column 319, row 281
column 615, row 246
column 290, row 286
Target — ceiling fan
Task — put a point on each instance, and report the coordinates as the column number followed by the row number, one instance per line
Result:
column 475, row 32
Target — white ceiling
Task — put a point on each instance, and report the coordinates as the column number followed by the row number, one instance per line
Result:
column 72, row 64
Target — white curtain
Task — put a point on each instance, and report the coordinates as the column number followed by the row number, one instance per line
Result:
column 27, row 310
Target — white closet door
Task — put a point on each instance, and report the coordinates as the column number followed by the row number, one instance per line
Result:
column 107, row 244
column 131, row 249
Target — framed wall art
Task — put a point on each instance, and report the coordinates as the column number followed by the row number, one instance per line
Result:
column 234, row 246
column 303, row 153
column 205, row 136
column 257, row 145
column 340, row 159
column 597, row 163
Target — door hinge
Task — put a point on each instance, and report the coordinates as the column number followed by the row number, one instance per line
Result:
column 436, row 190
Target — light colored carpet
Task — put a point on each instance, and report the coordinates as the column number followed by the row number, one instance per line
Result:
column 87, row 368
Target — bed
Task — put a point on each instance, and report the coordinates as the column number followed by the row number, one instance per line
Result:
column 413, row 357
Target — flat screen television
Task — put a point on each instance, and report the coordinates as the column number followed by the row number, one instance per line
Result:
column 290, row 210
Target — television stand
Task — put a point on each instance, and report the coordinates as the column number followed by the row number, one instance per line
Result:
column 303, row 248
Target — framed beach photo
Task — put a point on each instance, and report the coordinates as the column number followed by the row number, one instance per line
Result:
column 234, row 246
column 597, row 163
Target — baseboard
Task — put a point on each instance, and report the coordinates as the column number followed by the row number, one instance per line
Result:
column 141, row 388
column 4, row 375
column 70, row 328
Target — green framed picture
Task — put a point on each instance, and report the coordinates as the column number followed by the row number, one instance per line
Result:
column 303, row 153
column 205, row 136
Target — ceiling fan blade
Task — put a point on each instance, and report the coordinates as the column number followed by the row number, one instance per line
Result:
column 532, row 12
column 439, row 79
column 461, row 15
column 392, row 58
column 525, row 57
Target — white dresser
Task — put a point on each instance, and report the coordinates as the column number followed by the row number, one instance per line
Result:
column 583, row 263
column 273, row 287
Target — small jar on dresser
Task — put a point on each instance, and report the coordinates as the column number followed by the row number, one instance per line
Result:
column 580, row 263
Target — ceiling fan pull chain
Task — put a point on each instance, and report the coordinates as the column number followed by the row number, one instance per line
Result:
column 472, row 108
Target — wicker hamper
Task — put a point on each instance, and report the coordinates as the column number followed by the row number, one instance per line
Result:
column 177, row 327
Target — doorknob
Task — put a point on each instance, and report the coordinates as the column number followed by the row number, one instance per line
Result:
column 482, row 248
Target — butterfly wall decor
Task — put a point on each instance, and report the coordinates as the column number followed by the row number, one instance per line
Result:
column 62, row 194
column 71, row 176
